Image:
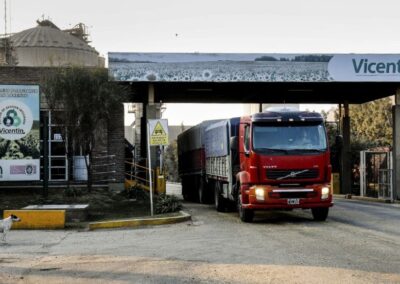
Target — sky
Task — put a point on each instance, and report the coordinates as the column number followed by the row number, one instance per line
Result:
column 228, row 26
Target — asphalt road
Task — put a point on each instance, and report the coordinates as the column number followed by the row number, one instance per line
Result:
column 359, row 243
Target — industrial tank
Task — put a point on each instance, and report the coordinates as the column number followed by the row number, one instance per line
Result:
column 47, row 45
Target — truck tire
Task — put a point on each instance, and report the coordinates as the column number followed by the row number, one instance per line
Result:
column 200, row 196
column 201, row 191
column 219, row 201
column 320, row 214
column 185, row 189
column 246, row 215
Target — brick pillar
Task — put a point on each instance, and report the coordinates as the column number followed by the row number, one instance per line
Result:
column 116, row 145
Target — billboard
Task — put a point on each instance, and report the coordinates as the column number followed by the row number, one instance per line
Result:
column 19, row 132
column 253, row 67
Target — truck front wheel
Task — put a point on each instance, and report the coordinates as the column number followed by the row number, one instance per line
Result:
column 320, row 214
column 246, row 215
column 218, row 199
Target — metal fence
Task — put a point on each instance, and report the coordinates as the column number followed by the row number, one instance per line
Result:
column 376, row 174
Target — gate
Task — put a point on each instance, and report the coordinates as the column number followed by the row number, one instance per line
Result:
column 376, row 174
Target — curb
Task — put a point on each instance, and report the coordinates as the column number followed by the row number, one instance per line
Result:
column 364, row 198
column 132, row 223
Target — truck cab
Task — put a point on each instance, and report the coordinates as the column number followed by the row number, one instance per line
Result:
column 284, row 163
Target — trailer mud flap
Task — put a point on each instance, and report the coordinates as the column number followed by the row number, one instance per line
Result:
column 225, row 190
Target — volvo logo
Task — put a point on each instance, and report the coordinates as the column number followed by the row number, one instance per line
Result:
column 292, row 174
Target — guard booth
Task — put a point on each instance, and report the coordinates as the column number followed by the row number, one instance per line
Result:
column 265, row 78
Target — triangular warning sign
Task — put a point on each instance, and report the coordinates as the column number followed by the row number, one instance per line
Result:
column 159, row 130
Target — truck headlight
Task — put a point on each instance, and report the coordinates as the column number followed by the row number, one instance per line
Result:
column 325, row 193
column 259, row 193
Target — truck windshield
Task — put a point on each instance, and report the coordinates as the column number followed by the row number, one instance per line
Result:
column 293, row 137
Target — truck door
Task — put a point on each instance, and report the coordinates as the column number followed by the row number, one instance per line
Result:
column 244, row 146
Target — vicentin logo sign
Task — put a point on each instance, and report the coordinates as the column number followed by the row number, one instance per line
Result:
column 363, row 66
column 15, row 120
column 372, row 68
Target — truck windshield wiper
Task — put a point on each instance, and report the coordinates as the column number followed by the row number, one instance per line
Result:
column 274, row 150
column 308, row 150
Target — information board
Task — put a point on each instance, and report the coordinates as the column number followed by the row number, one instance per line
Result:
column 19, row 132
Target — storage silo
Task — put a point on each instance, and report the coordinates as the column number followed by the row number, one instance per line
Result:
column 47, row 45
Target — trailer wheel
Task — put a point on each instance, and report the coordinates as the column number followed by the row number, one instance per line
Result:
column 246, row 215
column 320, row 214
column 185, row 189
column 218, row 199
column 203, row 195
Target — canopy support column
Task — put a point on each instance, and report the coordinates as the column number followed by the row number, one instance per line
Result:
column 346, row 151
column 396, row 145
column 151, row 110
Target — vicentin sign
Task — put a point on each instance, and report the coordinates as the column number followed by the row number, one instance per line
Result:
column 19, row 132
column 253, row 67
column 369, row 68
column 363, row 66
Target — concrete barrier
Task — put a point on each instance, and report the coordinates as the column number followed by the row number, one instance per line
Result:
column 38, row 219
column 73, row 212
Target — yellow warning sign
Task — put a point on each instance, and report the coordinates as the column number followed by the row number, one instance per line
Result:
column 158, row 132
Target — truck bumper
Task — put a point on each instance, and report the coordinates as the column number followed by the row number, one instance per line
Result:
column 277, row 198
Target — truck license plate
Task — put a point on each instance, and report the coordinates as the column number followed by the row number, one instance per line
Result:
column 293, row 201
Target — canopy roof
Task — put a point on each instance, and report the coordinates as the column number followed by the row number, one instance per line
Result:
column 257, row 78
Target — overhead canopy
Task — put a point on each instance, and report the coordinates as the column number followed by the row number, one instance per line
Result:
column 249, row 78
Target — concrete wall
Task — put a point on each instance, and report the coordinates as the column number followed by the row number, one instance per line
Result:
column 50, row 56
column 130, row 134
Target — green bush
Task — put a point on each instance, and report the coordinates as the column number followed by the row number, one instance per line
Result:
column 72, row 192
column 167, row 203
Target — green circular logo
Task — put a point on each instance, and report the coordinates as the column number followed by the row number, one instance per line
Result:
column 16, row 120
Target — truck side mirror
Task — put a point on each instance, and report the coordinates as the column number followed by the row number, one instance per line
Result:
column 233, row 143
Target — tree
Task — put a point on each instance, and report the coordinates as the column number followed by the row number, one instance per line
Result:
column 332, row 127
column 371, row 123
column 87, row 99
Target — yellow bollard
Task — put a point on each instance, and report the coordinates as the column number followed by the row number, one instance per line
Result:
column 160, row 182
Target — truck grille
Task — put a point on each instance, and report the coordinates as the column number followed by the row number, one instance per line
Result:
column 275, row 174
column 297, row 194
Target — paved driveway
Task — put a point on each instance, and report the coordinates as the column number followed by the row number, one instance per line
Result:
column 359, row 243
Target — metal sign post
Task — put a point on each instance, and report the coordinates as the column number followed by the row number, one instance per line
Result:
column 150, row 175
column 157, row 135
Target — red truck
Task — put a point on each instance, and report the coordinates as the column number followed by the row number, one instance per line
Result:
column 275, row 160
